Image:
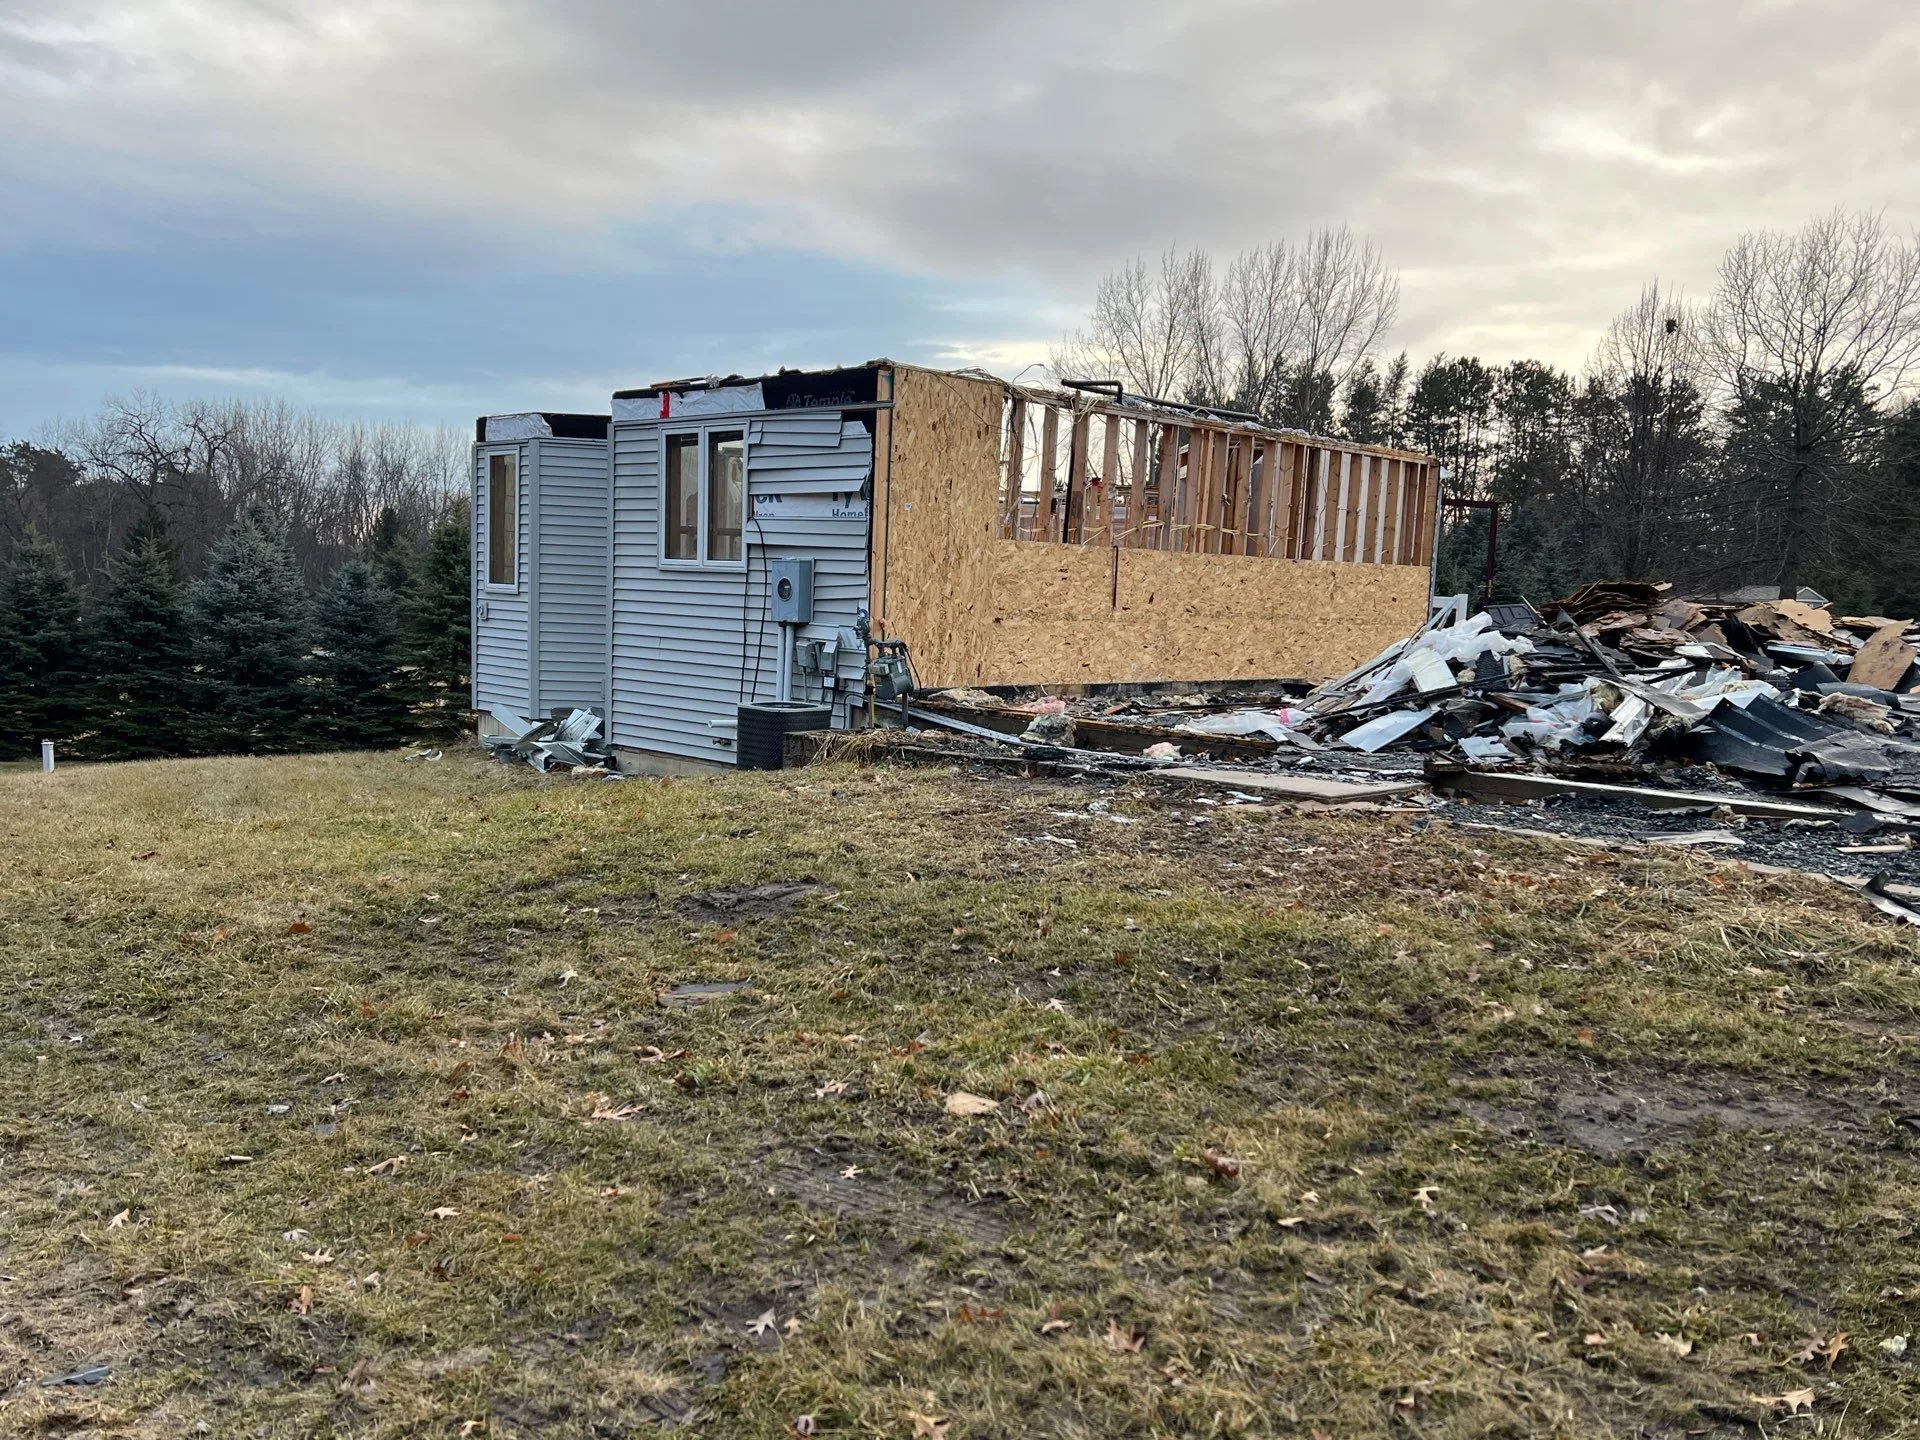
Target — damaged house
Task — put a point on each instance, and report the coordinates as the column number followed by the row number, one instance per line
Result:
column 828, row 538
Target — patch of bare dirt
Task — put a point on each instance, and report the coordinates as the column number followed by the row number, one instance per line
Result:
column 1630, row 1114
column 756, row 902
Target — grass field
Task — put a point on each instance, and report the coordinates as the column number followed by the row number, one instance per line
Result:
column 346, row 1096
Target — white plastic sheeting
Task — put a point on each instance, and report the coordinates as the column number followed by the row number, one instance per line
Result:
column 690, row 404
column 1274, row 724
column 530, row 426
column 1428, row 660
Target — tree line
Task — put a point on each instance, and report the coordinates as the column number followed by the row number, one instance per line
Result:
column 1766, row 435
column 230, row 578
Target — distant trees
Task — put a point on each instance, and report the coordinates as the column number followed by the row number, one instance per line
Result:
column 1810, row 334
column 42, row 648
column 244, row 659
column 201, row 577
column 1767, row 435
column 144, row 694
column 1281, row 335
column 250, row 638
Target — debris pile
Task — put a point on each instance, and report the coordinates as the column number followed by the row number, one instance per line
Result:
column 1782, row 691
column 1628, row 713
column 572, row 741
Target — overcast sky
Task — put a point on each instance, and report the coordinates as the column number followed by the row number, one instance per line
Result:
column 427, row 211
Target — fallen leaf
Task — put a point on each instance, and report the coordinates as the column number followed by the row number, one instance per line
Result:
column 299, row 927
column 1830, row 1352
column 1678, row 1344
column 792, row 1325
column 318, row 1257
column 473, row 1427
column 1124, row 1342
column 1423, row 1197
column 962, row 1102
column 1291, row 1221
column 370, row 1281
column 763, row 1323
column 1225, row 1166
column 413, row 1239
column 605, row 1109
column 390, row 1166
column 146, row 855
column 1309, row 1197
column 119, row 1220
column 1793, row 1402
column 612, row 1192
column 1596, row 1338
column 851, row 1171
column 443, row 1212
column 832, row 1090
column 1036, row 1102
column 339, row 1077
column 654, row 1055
column 1054, row 1327
column 928, row 1427
column 302, row 1301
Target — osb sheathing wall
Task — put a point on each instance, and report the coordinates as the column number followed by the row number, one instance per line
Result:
column 979, row 610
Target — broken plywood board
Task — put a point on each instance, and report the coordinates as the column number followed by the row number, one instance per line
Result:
column 1292, row 787
column 1883, row 661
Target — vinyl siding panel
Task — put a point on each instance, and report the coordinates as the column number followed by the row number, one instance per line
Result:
column 570, row 597
column 691, row 645
column 502, row 666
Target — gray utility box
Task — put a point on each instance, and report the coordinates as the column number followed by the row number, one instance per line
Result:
column 790, row 591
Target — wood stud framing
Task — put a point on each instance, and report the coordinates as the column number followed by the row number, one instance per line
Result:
column 1172, row 481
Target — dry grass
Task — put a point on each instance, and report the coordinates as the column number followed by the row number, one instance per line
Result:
column 1509, row 1126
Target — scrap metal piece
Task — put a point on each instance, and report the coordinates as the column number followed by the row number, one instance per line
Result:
column 1515, row 788
column 1882, row 899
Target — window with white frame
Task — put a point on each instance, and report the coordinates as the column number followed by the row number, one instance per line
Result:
column 703, row 497
column 503, row 521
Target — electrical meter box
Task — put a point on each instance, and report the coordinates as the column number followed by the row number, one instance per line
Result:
column 790, row 591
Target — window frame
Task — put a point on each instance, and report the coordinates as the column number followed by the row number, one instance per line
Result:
column 703, row 437
column 487, row 583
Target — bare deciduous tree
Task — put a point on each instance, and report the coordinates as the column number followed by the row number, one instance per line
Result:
column 1285, row 332
column 1812, row 334
column 199, row 463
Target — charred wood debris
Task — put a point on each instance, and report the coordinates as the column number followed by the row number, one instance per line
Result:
column 1775, row 731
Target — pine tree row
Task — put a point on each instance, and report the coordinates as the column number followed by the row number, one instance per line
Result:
column 242, row 659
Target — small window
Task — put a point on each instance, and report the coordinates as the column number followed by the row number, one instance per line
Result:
column 703, row 497
column 726, row 493
column 503, row 520
column 682, row 510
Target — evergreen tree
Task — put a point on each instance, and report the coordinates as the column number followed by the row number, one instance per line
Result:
column 42, row 655
column 357, row 697
column 249, row 621
column 393, row 555
column 144, row 692
column 443, row 612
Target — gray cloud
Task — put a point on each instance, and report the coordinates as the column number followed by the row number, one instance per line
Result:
column 1527, row 165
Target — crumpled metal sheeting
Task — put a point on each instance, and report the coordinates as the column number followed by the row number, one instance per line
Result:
column 570, row 740
column 1802, row 747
